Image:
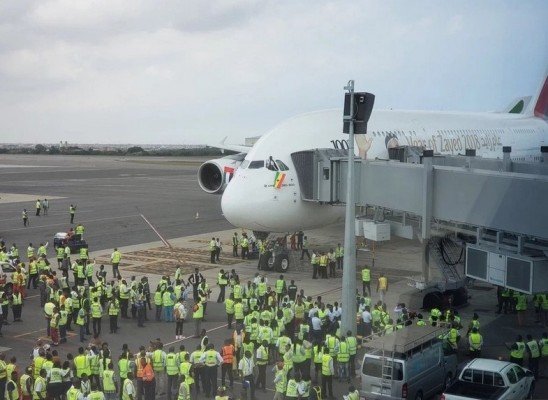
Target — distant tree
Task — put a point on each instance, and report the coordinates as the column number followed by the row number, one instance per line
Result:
column 40, row 149
column 54, row 150
column 136, row 150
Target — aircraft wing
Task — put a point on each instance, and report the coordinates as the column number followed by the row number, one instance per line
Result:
column 232, row 147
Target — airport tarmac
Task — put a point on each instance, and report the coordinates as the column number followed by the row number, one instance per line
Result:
column 111, row 194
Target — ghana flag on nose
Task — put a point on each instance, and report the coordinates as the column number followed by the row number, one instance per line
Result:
column 279, row 179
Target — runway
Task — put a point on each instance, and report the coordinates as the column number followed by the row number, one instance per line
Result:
column 109, row 193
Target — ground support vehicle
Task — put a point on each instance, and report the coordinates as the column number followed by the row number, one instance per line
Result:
column 410, row 363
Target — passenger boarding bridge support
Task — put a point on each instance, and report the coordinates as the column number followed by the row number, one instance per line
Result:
column 499, row 203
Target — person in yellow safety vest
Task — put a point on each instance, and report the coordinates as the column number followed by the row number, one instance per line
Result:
column 291, row 392
column 159, row 367
column 474, row 323
column 280, row 381
column 366, row 281
column 353, row 394
column 323, row 265
column 90, row 267
column 533, row 352
column 475, row 342
column 42, row 250
column 79, row 230
column 96, row 314
column 517, row 350
column 328, row 370
column 172, row 370
column 239, row 312
column 244, row 244
column 198, row 316
column 72, row 212
column 184, row 389
column 128, row 389
column 332, row 342
column 212, row 250
column 280, row 289
column 222, row 281
column 521, row 307
column 124, row 293
column 230, row 310
column 55, row 380
column 82, row 364
column 12, row 390
column 38, row 207
column 158, row 300
column 212, row 359
column 84, row 255
column 262, row 357
column 109, row 383
column 343, row 357
column 25, row 384
column 115, row 259
column 74, row 392
column 352, row 350
column 60, row 254
column 168, row 302
column 339, row 256
column 188, row 369
column 39, row 388
column 453, row 337
column 95, row 392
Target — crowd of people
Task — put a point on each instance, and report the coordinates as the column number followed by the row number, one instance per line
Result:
column 273, row 325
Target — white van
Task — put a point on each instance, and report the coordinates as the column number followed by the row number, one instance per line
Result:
column 410, row 363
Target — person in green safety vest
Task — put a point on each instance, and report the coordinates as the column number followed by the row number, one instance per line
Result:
column 343, row 357
column 128, row 389
column 79, row 232
column 517, row 350
column 475, row 341
column 96, row 314
column 353, row 394
column 72, row 213
column 244, row 245
column 533, row 351
column 352, row 350
column 521, row 307
column 339, row 256
column 328, row 371
column 366, row 281
column 184, row 389
column 108, row 382
column 60, row 254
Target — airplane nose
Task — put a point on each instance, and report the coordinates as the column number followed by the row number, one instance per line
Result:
column 232, row 204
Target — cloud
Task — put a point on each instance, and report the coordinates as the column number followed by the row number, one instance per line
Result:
column 194, row 71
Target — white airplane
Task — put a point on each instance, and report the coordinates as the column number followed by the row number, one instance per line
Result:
column 260, row 188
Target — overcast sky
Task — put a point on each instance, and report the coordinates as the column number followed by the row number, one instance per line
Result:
column 187, row 72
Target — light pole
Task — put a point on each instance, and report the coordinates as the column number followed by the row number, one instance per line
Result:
column 348, row 321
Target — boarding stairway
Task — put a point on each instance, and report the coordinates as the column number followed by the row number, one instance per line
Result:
column 447, row 255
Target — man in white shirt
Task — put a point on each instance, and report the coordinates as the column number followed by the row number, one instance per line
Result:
column 316, row 327
column 245, row 367
column 366, row 319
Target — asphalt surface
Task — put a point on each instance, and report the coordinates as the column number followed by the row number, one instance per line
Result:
column 110, row 194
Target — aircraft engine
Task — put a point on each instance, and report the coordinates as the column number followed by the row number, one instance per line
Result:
column 214, row 175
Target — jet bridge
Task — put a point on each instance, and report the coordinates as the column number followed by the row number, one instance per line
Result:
column 498, row 205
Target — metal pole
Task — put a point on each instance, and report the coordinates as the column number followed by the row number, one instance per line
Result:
column 348, row 322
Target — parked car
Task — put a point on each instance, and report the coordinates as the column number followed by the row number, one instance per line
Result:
column 74, row 242
column 483, row 378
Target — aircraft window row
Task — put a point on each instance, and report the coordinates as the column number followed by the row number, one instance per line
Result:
column 455, row 132
column 523, row 131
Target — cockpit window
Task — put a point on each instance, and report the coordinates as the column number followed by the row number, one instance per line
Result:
column 281, row 165
column 256, row 164
column 244, row 165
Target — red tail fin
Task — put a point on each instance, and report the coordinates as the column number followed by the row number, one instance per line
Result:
column 541, row 106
